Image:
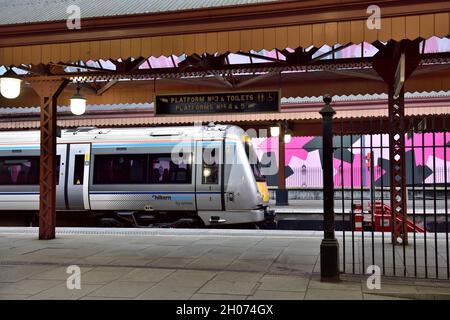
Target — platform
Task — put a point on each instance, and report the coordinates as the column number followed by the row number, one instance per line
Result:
column 316, row 206
column 183, row 264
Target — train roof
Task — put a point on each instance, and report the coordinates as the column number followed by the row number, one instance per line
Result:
column 93, row 134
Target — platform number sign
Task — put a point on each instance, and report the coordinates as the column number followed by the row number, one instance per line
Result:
column 224, row 102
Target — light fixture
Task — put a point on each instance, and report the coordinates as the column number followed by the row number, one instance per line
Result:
column 78, row 103
column 10, row 84
column 287, row 134
column 287, row 138
column 206, row 172
column 274, row 131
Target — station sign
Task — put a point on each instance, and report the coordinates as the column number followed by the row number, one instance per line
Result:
column 225, row 102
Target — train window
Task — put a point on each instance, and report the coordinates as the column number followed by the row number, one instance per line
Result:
column 58, row 168
column 23, row 170
column 78, row 173
column 164, row 170
column 254, row 162
column 120, row 169
column 210, row 166
column 19, row 170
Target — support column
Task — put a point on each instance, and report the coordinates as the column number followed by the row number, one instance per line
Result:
column 48, row 91
column 388, row 65
column 281, row 193
column 397, row 181
column 329, row 248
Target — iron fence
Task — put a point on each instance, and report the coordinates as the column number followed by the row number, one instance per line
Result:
column 362, row 190
column 313, row 177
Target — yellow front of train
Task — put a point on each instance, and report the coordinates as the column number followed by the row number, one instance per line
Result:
column 261, row 180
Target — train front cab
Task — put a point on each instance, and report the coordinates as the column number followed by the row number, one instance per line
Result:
column 231, row 188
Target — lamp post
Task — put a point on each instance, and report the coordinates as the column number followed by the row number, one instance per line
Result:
column 329, row 248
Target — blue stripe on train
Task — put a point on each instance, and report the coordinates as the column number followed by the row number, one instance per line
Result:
column 152, row 192
column 135, row 145
column 20, row 148
column 18, row 193
column 156, row 144
column 113, row 192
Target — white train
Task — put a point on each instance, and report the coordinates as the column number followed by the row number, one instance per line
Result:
column 193, row 176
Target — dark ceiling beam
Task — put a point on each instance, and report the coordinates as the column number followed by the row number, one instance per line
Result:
column 79, row 66
column 257, row 78
column 224, row 81
column 128, row 65
column 192, row 70
column 332, row 51
column 432, row 68
column 106, row 87
column 257, row 56
column 125, row 66
column 38, row 69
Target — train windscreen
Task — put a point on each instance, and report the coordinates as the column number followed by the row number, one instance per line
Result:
column 254, row 162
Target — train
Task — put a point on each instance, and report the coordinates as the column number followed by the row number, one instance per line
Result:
column 191, row 176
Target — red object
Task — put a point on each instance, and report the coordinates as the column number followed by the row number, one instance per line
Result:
column 382, row 219
column 368, row 157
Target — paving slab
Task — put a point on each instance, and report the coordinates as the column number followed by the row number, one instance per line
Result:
column 332, row 294
column 147, row 275
column 122, row 289
column 277, row 295
column 188, row 278
column 283, row 283
column 197, row 264
column 60, row 292
column 228, row 287
column 27, row 287
column 210, row 296
column 167, row 292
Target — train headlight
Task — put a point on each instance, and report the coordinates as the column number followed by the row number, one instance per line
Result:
column 206, row 172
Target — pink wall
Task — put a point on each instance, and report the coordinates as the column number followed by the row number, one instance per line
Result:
column 305, row 152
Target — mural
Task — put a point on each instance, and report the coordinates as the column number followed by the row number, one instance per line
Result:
column 427, row 161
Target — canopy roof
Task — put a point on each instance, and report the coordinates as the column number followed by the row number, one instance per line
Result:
column 31, row 11
column 224, row 26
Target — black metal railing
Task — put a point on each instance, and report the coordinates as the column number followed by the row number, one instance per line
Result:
column 362, row 190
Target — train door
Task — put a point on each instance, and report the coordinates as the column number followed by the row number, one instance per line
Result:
column 78, row 176
column 209, row 176
column 61, row 160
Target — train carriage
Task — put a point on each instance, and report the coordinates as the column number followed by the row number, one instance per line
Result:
column 199, row 175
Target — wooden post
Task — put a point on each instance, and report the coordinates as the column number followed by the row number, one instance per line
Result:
column 48, row 91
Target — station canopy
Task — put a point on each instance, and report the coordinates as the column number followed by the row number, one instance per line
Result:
column 128, row 51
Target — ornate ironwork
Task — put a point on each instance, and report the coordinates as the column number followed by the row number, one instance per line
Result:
column 398, row 166
column 386, row 63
